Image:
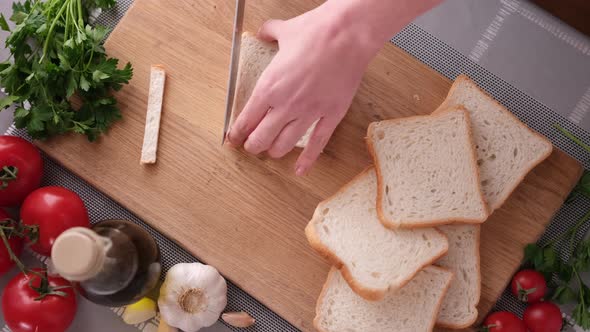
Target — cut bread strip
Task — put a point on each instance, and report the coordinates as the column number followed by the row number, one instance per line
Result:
column 459, row 308
column 255, row 56
column 426, row 169
column 506, row 148
column 154, row 113
column 373, row 259
column 413, row 308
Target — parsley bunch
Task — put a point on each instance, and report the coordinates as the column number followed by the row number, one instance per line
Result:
column 564, row 276
column 58, row 73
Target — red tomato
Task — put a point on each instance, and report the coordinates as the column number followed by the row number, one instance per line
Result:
column 24, row 312
column 54, row 209
column 21, row 169
column 543, row 317
column 16, row 245
column 529, row 286
column 504, row 321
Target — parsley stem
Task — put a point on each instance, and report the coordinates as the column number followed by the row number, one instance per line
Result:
column 67, row 27
column 570, row 232
column 80, row 14
column 573, row 137
column 89, row 60
column 72, row 13
column 51, row 29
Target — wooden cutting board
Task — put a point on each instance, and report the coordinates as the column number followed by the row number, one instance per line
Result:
column 243, row 214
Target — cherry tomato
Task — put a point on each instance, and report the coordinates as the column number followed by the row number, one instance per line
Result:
column 27, row 309
column 529, row 286
column 15, row 243
column 54, row 209
column 21, row 170
column 504, row 321
column 543, row 317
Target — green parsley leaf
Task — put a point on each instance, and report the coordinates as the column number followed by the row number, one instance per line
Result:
column 581, row 189
column 7, row 101
column 98, row 76
column 3, row 24
column 533, row 253
column 581, row 316
column 55, row 55
column 564, row 294
column 84, row 84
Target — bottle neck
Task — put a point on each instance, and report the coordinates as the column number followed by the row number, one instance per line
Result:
column 79, row 254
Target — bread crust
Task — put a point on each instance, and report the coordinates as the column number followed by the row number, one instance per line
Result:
column 445, row 105
column 472, row 321
column 440, row 300
column 333, row 270
column 369, row 294
column 473, row 161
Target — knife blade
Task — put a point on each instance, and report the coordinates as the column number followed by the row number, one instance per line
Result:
column 233, row 66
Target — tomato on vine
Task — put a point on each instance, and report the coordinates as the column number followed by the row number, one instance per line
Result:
column 543, row 317
column 53, row 210
column 21, row 170
column 529, row 286
column 36, row 302
column 503, row 321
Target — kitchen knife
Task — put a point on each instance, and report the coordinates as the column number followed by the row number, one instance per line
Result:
column 233, row 66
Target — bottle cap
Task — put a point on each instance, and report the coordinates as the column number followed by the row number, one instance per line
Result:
column 78, row 254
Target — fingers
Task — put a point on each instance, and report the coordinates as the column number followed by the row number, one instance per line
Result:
column 269, row 31
column 317, row 142
column 249, row 118
column 286, row 140
column 266, row 132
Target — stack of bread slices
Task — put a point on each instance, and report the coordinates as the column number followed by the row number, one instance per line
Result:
column 403, row 236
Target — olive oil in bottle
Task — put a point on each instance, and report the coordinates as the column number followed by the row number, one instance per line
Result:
column 115, row 263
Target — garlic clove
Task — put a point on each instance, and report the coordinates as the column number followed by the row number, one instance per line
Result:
column 139, row 311
column 238, row 319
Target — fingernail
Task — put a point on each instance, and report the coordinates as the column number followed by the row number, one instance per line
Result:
column 300, row 171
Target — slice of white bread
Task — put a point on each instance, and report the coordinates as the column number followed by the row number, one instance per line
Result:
column 426, row 169
column 412, row 308
column 506, row 148
column 255, row 56
column 373, row 259
column 459, row 307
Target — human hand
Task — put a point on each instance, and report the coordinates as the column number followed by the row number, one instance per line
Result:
column 314, row 76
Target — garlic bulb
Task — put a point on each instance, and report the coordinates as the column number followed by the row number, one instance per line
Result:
column 192, row 296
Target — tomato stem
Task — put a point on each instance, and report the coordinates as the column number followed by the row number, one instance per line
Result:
column 44, row 288
column 7, row 174
column 11, row 254
column 487, row 328
column 21, row 230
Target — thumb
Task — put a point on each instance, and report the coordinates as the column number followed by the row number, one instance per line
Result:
column 269, row 31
